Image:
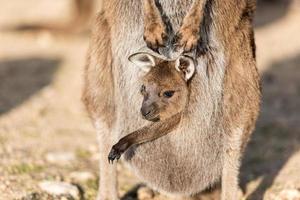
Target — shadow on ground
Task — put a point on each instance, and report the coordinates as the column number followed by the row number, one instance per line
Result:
column 278, row 132
column 21, row 78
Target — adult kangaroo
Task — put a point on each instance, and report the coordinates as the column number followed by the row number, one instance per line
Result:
column 206, row 146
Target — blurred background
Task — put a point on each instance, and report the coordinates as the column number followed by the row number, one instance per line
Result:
column 48, row 148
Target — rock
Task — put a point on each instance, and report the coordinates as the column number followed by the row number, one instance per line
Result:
column 82, row 176
column 32, row 196
column 145, row 193
column 289, row 194
column 45, row 196
column 60, row 188
column 60, row 158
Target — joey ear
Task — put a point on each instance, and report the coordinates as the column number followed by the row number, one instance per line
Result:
column 143, row 60
column 185, row 65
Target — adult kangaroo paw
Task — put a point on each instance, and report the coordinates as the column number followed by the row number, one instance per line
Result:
column 188, row 37
column 155, row 35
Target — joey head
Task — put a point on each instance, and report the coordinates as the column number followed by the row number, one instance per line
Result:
column 165, row 86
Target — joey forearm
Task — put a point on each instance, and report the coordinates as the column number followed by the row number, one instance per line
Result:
column 153, row 131
column 145, row 134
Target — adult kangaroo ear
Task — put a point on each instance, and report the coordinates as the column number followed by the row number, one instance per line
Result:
column 186, row 66
column 143, row 60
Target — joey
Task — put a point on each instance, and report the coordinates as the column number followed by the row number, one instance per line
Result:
column 165, row 95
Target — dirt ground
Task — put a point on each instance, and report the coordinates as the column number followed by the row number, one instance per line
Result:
column 45, row 133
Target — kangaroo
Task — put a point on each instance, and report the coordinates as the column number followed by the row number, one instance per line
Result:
column 224, row 97
column 165, row 92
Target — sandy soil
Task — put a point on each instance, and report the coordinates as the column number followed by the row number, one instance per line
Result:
column 41, row 112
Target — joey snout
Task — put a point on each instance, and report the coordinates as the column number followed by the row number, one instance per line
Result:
column 150, row 111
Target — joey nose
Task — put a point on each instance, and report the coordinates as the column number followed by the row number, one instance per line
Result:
column 147, row 110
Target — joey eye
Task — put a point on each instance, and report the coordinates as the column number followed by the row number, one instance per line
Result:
column 169, row 94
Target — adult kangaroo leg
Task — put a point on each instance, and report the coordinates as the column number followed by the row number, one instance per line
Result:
column 98, row 96
column 108, row 173
column 232, row 156
column 154, row 27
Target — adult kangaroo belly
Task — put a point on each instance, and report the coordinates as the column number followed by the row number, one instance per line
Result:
column 183, row 162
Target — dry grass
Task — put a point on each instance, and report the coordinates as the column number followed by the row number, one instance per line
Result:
column 41, row 112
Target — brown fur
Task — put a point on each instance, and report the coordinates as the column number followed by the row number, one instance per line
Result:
column 154, row 28
column 189, row 33
column 224, row 100
column 98, row 89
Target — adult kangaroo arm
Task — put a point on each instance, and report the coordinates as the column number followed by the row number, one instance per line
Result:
column 189, row 33
column 145, row 134
column 225, row 15
column 154, row 27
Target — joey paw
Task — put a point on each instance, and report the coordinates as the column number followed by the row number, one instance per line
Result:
column 114, row 154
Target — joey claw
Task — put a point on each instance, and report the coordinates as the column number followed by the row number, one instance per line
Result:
column 117, row 150
column 113, row 154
